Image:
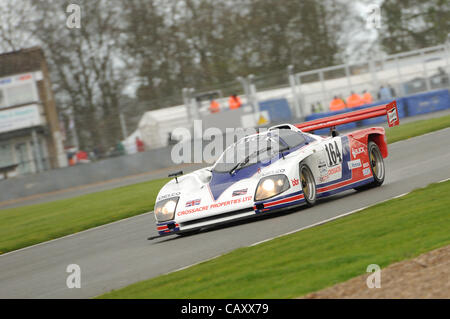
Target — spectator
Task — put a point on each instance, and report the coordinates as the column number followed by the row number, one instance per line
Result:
column 354, row 100
column 337, row 104
column 214, row 106
column 367, row 97
column 443, row 76
column 392, row 91
column 234, row 102
column 71, row 157
column 120, row 148
column 319, row 107
column 384, row 93
column 139, row 144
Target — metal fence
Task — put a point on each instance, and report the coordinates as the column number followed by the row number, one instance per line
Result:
column 405, row 73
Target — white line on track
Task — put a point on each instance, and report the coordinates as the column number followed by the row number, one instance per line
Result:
column 77, row 233
column 335, row 217
column 295, row 231
column 260, row 242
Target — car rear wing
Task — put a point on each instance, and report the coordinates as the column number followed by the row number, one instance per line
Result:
column 390, row 110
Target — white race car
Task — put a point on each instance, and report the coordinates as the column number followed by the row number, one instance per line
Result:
column 281, row 168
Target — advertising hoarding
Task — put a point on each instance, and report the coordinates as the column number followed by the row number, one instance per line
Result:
column 20, row 117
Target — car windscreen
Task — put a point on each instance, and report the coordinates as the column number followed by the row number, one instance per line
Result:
column 292, row 138
column 249, row 151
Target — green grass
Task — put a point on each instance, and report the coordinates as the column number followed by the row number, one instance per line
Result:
column 28, row 225
column 310, row 260
column 408, row 130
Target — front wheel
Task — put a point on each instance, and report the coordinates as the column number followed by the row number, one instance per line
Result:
column 308, row 185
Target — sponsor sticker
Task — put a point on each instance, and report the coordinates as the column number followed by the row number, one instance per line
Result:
column 356, row 151
column 366, row 165
column 191, row 211
column 354, row 164
column 215, row 205
column 295, row 182
column 392, row 114
column 168, row 196
column 366, row 171
column 278, row 171
column 239, row 192
column 334, row 170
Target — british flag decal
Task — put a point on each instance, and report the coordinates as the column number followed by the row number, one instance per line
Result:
column 193, row 202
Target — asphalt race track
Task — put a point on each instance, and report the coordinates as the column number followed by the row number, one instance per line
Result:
column 118, row 254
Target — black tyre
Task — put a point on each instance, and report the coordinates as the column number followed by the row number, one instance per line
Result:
column 308, row 184
column 376, row 166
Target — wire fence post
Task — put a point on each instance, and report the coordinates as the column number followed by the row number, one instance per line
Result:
column 253, row 97
column 244, row 84
column 400, row 78
column 301, row 100
column 185, row 94
column 373, row 73
column 295, row 98
column 447, row 56
column 347, row 75
column 193, row 104
column 425, row 73
column 322, row 87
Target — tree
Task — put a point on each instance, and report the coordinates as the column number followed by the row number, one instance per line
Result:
column 87, row 68
column 414, row 24
column 13, row 36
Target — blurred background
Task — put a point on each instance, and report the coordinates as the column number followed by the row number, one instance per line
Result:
column 116, row 85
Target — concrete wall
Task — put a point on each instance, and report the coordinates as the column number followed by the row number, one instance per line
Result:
column 84, row 174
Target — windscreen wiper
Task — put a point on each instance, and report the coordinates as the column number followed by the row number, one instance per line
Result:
column 282, row 150
column 247, row 158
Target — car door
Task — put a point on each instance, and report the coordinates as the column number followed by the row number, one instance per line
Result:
column 331, row 158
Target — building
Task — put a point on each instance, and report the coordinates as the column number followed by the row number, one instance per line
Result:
column 30, row 136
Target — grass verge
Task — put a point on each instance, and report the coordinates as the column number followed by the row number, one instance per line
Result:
column 310, row 260
column 408, row 130
column 28, row 225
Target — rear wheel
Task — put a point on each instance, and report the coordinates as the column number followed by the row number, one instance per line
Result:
column 308, row 184
column 376, row 166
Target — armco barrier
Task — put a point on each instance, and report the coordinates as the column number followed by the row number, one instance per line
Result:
column 427, row 102
column 84, row 174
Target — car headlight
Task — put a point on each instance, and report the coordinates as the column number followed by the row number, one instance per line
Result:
column 165, row 209
column 270, row 186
